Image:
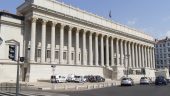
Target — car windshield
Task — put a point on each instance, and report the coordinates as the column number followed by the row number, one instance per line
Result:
column 126, row 79
column 144, row 78
column 77, row 76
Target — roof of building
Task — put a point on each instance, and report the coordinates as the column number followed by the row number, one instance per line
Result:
column 163, row 40
column 5, row 13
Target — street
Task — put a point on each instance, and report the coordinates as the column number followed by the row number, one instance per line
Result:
column 137, row 90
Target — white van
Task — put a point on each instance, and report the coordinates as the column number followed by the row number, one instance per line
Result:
column 58, row 79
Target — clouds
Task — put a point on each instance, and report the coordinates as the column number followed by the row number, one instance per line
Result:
column 132, row 22
column 167, row 33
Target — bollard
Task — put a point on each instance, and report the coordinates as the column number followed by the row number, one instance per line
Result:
column 77, row 87
column 88, row 86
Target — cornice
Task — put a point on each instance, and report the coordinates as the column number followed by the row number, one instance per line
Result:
column 88, row 23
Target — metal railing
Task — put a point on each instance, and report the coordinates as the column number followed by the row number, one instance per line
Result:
column 8, row 87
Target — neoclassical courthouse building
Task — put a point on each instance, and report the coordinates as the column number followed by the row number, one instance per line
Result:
column 57, row 37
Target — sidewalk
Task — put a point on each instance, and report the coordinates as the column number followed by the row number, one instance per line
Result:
column 71, row 86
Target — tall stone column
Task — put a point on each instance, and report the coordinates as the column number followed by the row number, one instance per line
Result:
column 153, row 55
column 61, row 43
column 129, row 55
column 107, row 51
column 125, row 55
column 77, row 46
column 121, row 52
column 140, row 64
column 133, row 56
column 142, row 59
column 90, row 50
column 84, row 49
column 53, row 43
column 102, row 51
column 33, row 39
column 43, row 41
column 148, row 57
column 70, row 45
column 112, row 52
column 117, row 53
column 96, row 51
column 146, row 64
column 136, row 56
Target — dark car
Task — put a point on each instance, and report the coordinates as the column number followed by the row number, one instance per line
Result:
column 53, row 79
column 160, row 80
column 99, row 79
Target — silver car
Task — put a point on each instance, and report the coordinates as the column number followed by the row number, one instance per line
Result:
column 145, row 80
column 127, row 82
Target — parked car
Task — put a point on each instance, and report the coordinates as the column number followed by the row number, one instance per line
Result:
column 126, row 81
column 79, row 79
column 61, row 79
column 99, row 78
column 145, row 80
column 70, row 78
column 58, row 79
column 160, row 80
column 168, row 80
column 87, row 77
column 53, row 79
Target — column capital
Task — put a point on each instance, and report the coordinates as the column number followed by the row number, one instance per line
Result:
column 54, row 23
column 102, row 35
column 44, row 21
column 33, row 19
column 78, row 29
column 70, row 27
column 97, row 34
column 90, row 33
column 62, row 25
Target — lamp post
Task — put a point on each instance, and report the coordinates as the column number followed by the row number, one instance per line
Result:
column 18, row 61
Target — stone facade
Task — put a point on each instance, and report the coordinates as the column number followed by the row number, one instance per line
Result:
column 81, row 43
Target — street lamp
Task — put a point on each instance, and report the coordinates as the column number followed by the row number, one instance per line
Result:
column 14, row 42
column 1, row 40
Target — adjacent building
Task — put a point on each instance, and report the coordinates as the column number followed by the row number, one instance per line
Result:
column 162, row 53
column 60, row 37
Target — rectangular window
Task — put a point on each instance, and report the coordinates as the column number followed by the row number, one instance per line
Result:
column 160, row 55
column 64, row 55
column 163, row 45
column 168, row 44
column 56, row 54
column 164, row 55
column 72, row 56
column 164, row 49
column 160, row 45
column 39, row 53
column 160, row 50
column 48, row 54
column 168, row 49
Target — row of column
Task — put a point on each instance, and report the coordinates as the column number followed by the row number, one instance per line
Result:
column 127, row 53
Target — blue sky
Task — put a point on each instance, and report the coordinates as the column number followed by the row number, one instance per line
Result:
column 150, row 16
